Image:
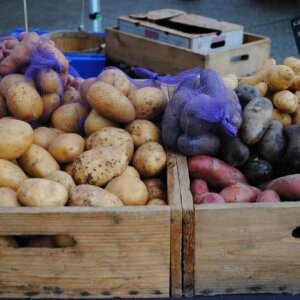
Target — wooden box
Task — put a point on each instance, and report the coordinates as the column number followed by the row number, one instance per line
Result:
column 133, row 50
column 239, row 248
column 119, row 252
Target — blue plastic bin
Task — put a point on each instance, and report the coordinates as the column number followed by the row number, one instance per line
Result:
column 87, row 65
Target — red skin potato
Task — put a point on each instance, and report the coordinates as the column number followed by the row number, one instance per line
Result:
column 208, row 198
column 287, row 187
column 198, row 187
column 268, row 196
column 214, row 171
column 240, row 193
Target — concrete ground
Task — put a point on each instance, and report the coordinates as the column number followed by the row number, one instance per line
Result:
column 264, row 17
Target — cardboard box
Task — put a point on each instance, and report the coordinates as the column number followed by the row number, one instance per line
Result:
column 176, row 27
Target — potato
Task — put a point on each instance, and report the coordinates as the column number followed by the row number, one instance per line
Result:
column 240, row 193
column 66, row 147
column 98, row 166
column 246, row 93
column 8, row 241
column 297, row 93
column 38, row 162
column 110, row 102
column 296, row 116
column 24, row 102
column 8, row 198
column 262, row 87
column 69, row 168
column 112, row 137
column 279, row 77
column 49, row 82
column 155, row 188
column 85, row 86
column 230, row 81
column 293, row 63
column 234, row 151
column 208, row 198
column 117, row 79
column 90, row 195
column 63, row 178
column 69, row 117
column 63, row 240
column 148, row 102
column 3, row 107
column 15, row 138
column 131, row 190
column 284, row 118
column 156, row 202
column 41, row 192
column 95, row 122
column 285, row 101
column 41, row 242
column 131, row 171
column 11, row 175
column 150, row 159
column 143, row 131
column 268, row 196
column 50, row 103
column 43, row 136
column 71, row 96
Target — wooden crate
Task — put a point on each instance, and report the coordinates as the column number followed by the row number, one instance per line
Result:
column 120, row 252
column 163, row 58
column 239, row 248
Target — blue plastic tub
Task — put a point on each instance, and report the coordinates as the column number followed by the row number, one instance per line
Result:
column 87, row 65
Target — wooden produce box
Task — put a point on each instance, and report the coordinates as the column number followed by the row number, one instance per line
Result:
column 133, row 50
column 119, row 252
column 239, row 248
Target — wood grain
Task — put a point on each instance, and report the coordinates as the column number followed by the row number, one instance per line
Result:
column 247, row 248
column 188, row 230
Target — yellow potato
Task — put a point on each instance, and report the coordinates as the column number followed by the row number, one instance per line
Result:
column 117, row 79
column 262, row 87
column 297, row 93
column 143, row 131
column 71, row 96
column 41, row 242
column 90, row 195
column 279, row 77
column 50, row 82
column 296, row 83
column 85, row 86
column 66, row 147
column 11, row 175
column 156, row 202
column 43, row 136
column 130, row 189
column 112, row 137
column 131, row 171
column 150, row 159
column 284, row 118
column 15, row 138
column 95, row 122
column 8, row 198
column 64, row 240
column 41, row 192
column 110, row 102
column 69, row 168
column 50, row 103
column 98, row 166
column 285, row 101
column 293, row 63
column 148, row 102
column 8, row 241
column 63, row 178
column 38, row 162
column 230, row 81
column 3, row 107
column 7, row 81
column 156, row 189
column 69, row 117
column 24, row 102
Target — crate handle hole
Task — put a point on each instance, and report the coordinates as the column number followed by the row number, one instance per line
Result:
column 217, row 44
column 37, row 241
column 296, row 233
column 239, row 58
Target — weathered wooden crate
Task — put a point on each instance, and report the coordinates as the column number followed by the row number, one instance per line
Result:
column 119, row 252
column 133, row 50
column 239, row 248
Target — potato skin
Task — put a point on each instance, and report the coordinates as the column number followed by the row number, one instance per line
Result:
column 66, row 147
column 284, row 118
column 239, row 193
column 15, row 138
column 50, row 104
column 131, row 171
column 143, row 131
column 38, row 162
column 63, row 178
column 90, row 195
column 279, row 77
column 246, row 93
column 285, row 101
column 150, row 159
column 11, row 175
column 85, row 86
column 156, row 188
column 41, row 192
column 43, row 136
column 268, row 196
column 131, row 190
column 110, row 102
column 3, row 107
column 235, row 152
column 50, row 82
column 7, row 81
column 24, row 102
column 148, row 102
column 8, row 198
column 292, row 134
column 112, row 137
column 98, row 166
column 156, row 202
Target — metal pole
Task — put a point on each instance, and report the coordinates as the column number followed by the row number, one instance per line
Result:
column 25, row 15
column 96, row 15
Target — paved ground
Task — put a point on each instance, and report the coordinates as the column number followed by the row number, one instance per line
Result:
column 266, row 17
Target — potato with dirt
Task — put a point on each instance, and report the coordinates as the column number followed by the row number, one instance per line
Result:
column 155, row 188
column 43, row 136
column 63, row 178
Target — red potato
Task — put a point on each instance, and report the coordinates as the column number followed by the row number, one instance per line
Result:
column 268, row 196
column 199, row 187
column 214, row 171
column 240, row 193
column 208, row 198
column 287, row 187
